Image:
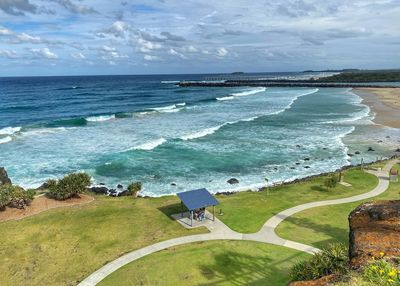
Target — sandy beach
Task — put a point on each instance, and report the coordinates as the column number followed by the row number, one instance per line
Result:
column 385, row 102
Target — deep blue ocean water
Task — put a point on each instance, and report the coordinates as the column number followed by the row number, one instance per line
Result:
column 145, row 128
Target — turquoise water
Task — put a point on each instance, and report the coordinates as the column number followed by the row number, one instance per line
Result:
column 172, row 139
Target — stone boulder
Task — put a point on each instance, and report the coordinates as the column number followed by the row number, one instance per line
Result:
column 4, row 179
column 233, row 181
column 100, row 190
column 374, row 228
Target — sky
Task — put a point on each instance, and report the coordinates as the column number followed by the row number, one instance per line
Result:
column 83, row 37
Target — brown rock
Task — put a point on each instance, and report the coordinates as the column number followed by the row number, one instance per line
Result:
column 4, row 179
column 374, row 228
column 318, row 282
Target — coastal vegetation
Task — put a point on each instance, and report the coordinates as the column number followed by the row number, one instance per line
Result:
column 333, row 259
column 14, row 196
column 110, row 227
column 134, row 189
column 69, row 186
column 363, row 76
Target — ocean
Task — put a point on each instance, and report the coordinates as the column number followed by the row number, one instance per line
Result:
column 121, row 129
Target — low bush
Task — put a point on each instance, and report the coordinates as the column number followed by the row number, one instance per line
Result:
column 134, row 189
column 331, row 260
column 331, row 182
column 69, row 186
column 382, row 273
column 15, row 196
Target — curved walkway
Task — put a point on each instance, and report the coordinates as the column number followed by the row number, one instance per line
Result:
column 219, row 231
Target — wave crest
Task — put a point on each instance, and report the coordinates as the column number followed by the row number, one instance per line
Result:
column 100, row 118
column 9, row 130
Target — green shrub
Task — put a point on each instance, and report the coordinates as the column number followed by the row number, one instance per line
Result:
column 69, row 186
column 134, row 189
column 4, row 196
column 382, row 273
column 15, row 196
column 331, row 182
column 331, row 260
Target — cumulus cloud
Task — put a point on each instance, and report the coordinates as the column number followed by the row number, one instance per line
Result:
column 150, row 58
column 222, row 52
column 8, row 54
column 5, row 32
column 44, row 53
column 78, row 56
column 111, row 53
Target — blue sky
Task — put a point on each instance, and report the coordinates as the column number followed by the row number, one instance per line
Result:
column 74, row 37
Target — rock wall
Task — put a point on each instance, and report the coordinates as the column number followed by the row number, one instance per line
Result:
column 4, row 179
column 374, row 228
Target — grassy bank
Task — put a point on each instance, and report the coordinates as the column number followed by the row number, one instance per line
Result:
column 62, row 246
column 210, row 263
column 322, row 225
column 248, row 211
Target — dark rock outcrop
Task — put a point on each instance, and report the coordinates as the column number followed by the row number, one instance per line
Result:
column 4, row 179
column 370, row 149
column 374, row 228
column 100, row 190
column 233, row 181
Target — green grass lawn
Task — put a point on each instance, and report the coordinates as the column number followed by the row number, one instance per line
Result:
column 322, row 225
column 248, row 211
column 210, row 263
column 63, row 246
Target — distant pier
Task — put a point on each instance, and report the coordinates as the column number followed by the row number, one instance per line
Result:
column 272, row 83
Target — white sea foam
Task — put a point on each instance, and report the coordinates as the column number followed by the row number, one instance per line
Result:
column 226, row 98
column 9, row 130
column 40, row 131
column 250, row 92
column 5, row 139
column 100, row 118
column 150, row 145
column 201, row 133
column 164, row 108
column 181, row 104
column 170, row 81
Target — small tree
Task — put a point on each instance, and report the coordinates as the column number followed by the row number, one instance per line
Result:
column 69, row 186
column 134, row 188
column 331, row 182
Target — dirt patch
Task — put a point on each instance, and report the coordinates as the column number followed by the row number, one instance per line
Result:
column 41, row 204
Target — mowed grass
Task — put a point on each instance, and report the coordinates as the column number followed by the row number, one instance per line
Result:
column 63, row 246
column 247, row 211
column 322, row 225
column 210, row 263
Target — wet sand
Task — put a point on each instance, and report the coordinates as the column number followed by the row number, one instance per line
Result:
column 385, row 102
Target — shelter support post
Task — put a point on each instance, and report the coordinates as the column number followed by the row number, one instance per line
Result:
column 191, row 218
column 213, row 213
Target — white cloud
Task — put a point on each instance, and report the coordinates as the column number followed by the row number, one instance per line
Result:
column 5, row 32
column 151, row 58
column 28, row 38
column 44, row 53
column 78, row 56
column 222, row 52
column 9, row 54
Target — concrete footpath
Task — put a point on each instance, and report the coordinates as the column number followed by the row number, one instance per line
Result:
column 220, row 231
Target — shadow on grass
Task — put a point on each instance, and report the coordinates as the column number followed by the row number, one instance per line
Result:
column 243, row 269
column 336, row 234
column 319, row 189
column 171, row 209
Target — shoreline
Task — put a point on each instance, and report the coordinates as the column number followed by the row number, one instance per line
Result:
column 384, row 102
